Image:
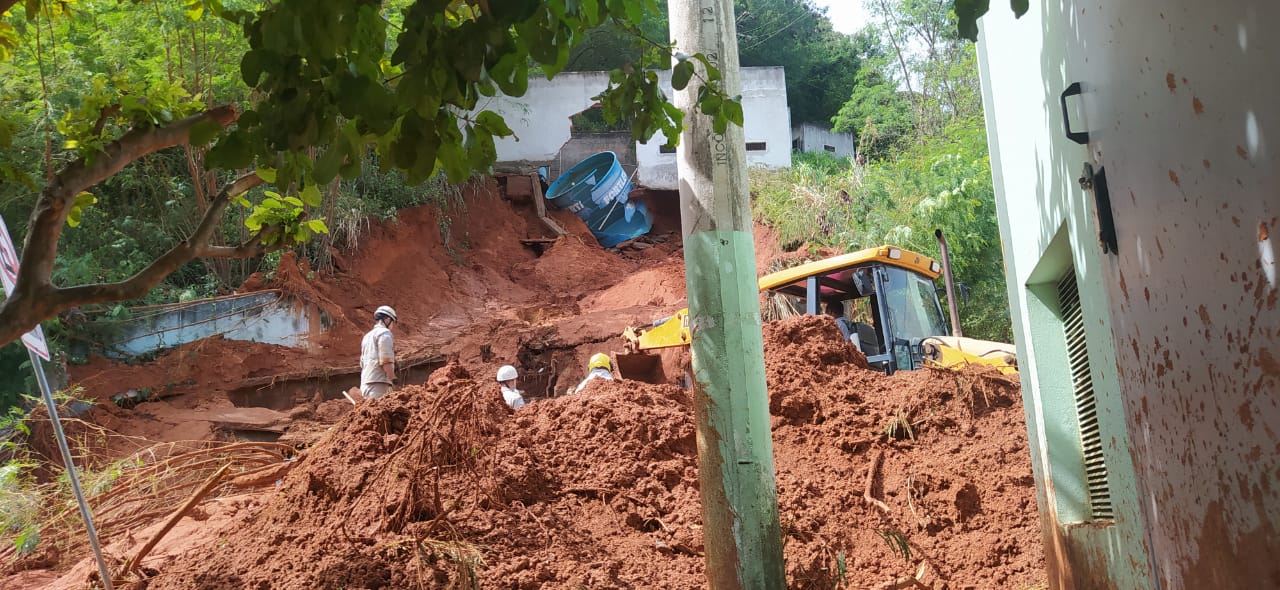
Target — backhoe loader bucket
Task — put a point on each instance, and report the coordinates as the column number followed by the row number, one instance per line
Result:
column 640, row 366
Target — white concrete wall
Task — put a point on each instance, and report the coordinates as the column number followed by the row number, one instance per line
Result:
column 814, row 138
column 266, row 317
column 1182, row 320
column 540, row 120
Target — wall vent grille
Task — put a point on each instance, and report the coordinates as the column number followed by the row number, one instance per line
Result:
column 1095, row 467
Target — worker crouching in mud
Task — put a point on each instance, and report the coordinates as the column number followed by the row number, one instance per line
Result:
column 507, row 376
column 377, row 358
column 599, row 367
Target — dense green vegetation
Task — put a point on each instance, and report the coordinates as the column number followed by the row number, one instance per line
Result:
column 923, row 164
column 942, row 183
column 821, row 64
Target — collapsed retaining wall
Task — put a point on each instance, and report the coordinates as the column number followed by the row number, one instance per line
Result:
column 269, row 317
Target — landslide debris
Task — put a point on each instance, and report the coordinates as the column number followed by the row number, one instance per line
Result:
column 923, row 475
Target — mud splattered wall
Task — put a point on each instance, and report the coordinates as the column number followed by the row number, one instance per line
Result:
column 1182, row 318
column 1188, row 130
column 1048, row 233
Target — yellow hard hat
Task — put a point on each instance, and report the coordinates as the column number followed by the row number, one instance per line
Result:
column 600, row 360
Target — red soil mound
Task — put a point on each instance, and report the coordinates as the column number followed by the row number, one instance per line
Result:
column 953, row 471
column 877, row 476
column 599, row 489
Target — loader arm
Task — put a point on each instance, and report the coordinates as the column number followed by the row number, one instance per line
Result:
column 664, row 333
column 639, row 362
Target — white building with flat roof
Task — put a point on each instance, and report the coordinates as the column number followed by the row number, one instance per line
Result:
column 540, row 120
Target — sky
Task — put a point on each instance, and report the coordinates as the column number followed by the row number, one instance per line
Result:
column 848, row 16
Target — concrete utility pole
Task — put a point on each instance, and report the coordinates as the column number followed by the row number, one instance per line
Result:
column 735, row 447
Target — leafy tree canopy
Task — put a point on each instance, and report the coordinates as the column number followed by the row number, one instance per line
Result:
column 321, row 83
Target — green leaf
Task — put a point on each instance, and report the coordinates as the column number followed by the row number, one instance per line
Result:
column 710, row 105
column 713, row 73
column 635, row 11
column 295, row 201
column 732, row 110
column 83, row 200
column 252, row 67
column 268, row 175
column 311, row 196
column 1019, row 7
column 318, row 226
column 27, row 540
column 967, row 14
column 493, row 123
column 590, row 11
column 254, row 222
column 195, row 9
column 204, row 131
column 326, row 168
column 681, row 74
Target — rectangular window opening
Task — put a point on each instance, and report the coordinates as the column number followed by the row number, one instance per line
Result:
column 756, row 146
column 829, row 148
column 662, row 149
column 1095, row 468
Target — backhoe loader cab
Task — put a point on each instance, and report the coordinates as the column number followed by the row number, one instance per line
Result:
column 884, row 300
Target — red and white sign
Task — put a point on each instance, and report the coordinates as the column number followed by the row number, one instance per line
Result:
column 9, row 276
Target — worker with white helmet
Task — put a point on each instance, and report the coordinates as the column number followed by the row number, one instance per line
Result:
column 600, row 367
column 507, row 379
column 377, row 355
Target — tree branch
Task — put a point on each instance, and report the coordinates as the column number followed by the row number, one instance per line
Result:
column 34, row 301
column 51, row 209
column 195, row 246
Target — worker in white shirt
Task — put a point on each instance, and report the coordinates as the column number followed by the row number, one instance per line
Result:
column 377, row 356
column 507, row 376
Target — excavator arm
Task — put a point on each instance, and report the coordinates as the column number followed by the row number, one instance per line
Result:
column 953, row 352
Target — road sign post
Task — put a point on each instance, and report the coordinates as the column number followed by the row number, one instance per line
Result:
column 38, row 349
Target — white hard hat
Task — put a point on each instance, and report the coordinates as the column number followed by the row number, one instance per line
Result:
column 507, row 373
column 387, row 311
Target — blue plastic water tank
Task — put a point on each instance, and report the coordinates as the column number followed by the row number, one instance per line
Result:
column 596, row 190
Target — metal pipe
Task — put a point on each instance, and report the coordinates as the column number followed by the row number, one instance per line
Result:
column 61, row 437
column 951, row 290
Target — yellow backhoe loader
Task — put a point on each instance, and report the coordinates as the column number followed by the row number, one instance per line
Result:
column 883, row 299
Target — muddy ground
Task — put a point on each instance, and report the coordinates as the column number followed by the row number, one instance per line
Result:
column 881, row 480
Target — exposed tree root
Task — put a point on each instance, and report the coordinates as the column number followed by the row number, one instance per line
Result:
column 871, row 478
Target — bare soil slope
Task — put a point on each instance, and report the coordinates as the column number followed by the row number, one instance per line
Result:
column 440, row 485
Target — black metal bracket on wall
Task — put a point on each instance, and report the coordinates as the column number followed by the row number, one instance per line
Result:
column 1080, row 137
column 1096, row 182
